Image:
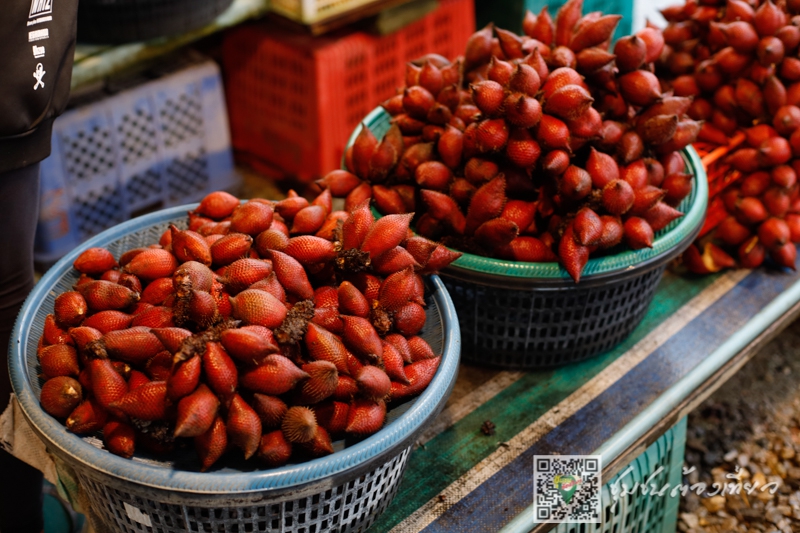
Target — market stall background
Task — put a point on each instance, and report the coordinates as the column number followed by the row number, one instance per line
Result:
column 150, row 129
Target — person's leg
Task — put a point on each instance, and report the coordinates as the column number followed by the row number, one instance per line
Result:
column 20, row 484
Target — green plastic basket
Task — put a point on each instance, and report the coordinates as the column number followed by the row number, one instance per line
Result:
column 508, row 14
column 522, row 315
column 643, row 513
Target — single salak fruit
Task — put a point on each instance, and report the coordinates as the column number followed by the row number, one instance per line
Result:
column 365, row 417
column 120, row 438
column 152, row 264
column 217, row 205
column 212, row 444
column 274, row 376
column 274, row 450
column 196, row 412
column 87, row 417
column 60, row 396
column 299, row 424
column 94, row 261
column 70, row 308
column 243, row 426
column 146, row 402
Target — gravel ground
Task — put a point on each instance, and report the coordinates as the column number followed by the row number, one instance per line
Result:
column 753, row 423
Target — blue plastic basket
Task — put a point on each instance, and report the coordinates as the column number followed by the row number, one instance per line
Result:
column 515, row 314
column 343, row 492
column 159, row 144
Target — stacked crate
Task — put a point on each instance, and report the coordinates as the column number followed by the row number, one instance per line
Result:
column 156, row 145
column 293, row 99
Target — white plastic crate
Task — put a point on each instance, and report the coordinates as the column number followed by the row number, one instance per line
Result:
column 162, row 143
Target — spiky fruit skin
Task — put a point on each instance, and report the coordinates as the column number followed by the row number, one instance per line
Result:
column 274, row 449
column 291, row 275
column 420, row 374
column 249, row 344
column 211, row 445
column 218, row 205
column 323, row 345
column 258, row 308
column 373, row 382
column 573, row 255
column 321, row 383
column 87, row 417
column 251, row 218
column 638, row 233
column 131, row 345
column 243, row 426
column 107, row 385
column 196, row 413
column 409, row 319
column 146, row 402
column 60, row 396
column 70, row 308
column 120, row 438
column 185, row 378
column 365, row 417
column 59, row 360
column 299, row 425
column 105, row 295
column 274, row 376
column 94, row 261
column 220, row 370
column 270, row 410
column 152, row 264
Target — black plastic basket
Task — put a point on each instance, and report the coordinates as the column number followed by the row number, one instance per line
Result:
column 513, row 324
column 532, row 315
column 125, row 21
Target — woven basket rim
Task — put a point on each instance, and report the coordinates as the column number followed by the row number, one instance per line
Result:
column 663, row 244
column 353, row 457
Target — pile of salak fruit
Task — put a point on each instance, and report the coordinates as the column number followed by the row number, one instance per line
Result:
column 550, row 146
column 271, row 327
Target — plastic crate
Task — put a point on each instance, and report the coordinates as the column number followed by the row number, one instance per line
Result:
column 294, row 99
column 643, row 513
column 343, row 492
column 157, row 145
column 508, row 14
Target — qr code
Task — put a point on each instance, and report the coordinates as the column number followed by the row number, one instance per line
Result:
column 567, row 488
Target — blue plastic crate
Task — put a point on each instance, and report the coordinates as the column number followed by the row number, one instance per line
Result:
column 159, row 144
column 643, row 513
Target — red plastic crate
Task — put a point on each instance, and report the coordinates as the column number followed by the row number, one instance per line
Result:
column 294, row 99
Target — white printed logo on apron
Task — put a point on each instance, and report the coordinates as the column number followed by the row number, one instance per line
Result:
column 41, row 11
column 39, row 74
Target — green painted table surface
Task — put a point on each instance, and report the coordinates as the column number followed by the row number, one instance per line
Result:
column 94, row 63
column 697, row 332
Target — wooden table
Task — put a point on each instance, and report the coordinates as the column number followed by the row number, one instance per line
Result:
column 697, row 333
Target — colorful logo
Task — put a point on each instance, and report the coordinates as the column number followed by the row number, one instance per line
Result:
column 566, row 486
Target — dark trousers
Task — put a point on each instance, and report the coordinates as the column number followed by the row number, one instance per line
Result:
column 20, row 484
